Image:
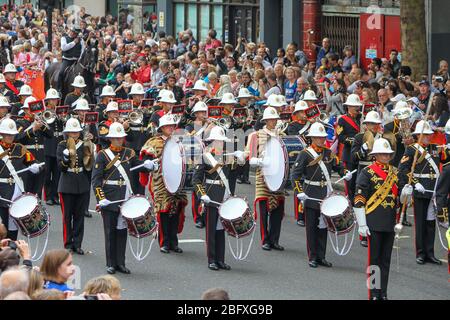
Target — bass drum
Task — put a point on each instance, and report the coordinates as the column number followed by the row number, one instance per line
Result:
column 280, row 153
column 179, row 157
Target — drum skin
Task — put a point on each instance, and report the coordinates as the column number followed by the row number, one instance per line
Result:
column 276, row 164
column 236, row 217
column 338, row 214
column 138, row 213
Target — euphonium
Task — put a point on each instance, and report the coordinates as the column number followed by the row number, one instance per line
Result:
column 136, row 117
column 48, row 116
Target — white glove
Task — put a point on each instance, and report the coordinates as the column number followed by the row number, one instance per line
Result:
column 256, row 162
column 104, row 203
column 365, row 147
column 206, row 199
column 419, row 187
column 149, row 165
column 240, row 156
column 155, row 165
column 66, row 153
column 302, row 196
column 34, row 168
column 407, row 191
column 348, row 176
column 360, row 214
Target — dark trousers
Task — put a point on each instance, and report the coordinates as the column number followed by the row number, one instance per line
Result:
column 65, row 63
column 195, row 203
column 244, row 171
column 72, row 207
column 52, row 174
column 270, row 225
column 316, row 239
column 425, row 230
column 232, row 177
column 168, row 230
column 380, row 250
column 115, row 239
column 4, row 214
column 136, row 186
column 35, row 182
column 350, row 186
column 215, row 239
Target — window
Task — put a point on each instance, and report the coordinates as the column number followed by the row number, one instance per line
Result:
column 204, row 22
column 179, row 17
column 218, row 20
column 192, row 19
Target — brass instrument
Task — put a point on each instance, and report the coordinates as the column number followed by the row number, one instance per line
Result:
column 88, row 149
column 49, row 116
column 136, row 117
column 224, row 123
column 71, row 146
column 403, row 116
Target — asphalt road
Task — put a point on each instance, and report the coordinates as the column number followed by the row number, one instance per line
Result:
column 264, row 275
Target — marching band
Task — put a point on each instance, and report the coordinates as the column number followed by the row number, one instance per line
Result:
column 132, row 145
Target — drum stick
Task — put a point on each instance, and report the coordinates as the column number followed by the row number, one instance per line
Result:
column 117, row 201
column 26, row 169
column 337, row 181
column 137, row 167
column 6, row 200
column 314, row 199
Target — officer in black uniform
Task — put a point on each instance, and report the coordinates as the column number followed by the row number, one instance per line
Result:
column 105, row 97
column 442, row 192
column 348, row 127
column 360, row 151
column 243, row 99
column 375, row 208
column 32, row 131
column 424, row 179
column 72, row 46
column 12, row 85
column 4, row 106
column 209, row 186
column 24, row 93
column 17, row 157
column 200, row 128
column 138, row 133
column 109, row 185
column 73, row 185
column 299, row 127
column 316, row 185
column 402, row 136
column 52, row 171
column 112, row 115
column 77, row 93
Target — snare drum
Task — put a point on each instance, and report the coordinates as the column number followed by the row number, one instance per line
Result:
column 279, row 152
column 338, row 214
column 236, row 217
column 179, row 157
column 138, row 213
column 30, row 216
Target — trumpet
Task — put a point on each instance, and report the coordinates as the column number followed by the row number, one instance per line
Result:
column 136, row 117
column 224, row 123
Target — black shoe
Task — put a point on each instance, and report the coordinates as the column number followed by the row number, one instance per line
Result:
column 164, row 250
column 313, row 264
column 324, row 263
column 87, row 214
column 199, row 225
column 79, row 251
column 123, row 269
column 405, row 223
column 374, row 298
column 56, row 201
column 245, row 182
column 420, row 260
column 111, row 270
column 301, row 223
column 266, row 247
column 384, row 298
column 177, row 250
column 69, row 247
column 276, row 246
column 239, row 181
column 213, row 266
column 223, row 265
column 50, row 202
column 364, row 243
column 433, row 260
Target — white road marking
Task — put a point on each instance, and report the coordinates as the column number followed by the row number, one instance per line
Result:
column 191, row 241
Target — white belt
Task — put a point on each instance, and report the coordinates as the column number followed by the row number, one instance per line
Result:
column 115, row 182
column 9, row 180
column 428, row 175
column 35, row 146
column 75, row 170
column 322, row 183
column 218, row 182
column 137, row 128
column 57, row 134
column 365, row 163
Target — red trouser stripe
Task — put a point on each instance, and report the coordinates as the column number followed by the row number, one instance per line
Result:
column 61, row 200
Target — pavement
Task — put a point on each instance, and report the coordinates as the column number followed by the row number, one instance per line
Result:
column 270, row 275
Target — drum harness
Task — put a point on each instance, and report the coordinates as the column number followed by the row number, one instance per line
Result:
column 322, row 225
column 121, row 223
column 19, row 183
